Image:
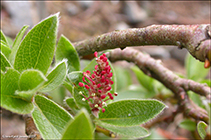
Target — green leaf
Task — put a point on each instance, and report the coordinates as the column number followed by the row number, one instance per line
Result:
column 75, row 77
column 188, row 124
column 123, row 78
column 79, row 128
column 71, row 102
column 30, row 79
column 16, row 43
column 10, row 101
column 196, row 98
column 37, row 48
column 4, row 62
column 49, row 118
column 126, row 132
column 144, row 80
column 5, row 49
column 58, row 95
column 91, row 67
column 201, row 128
column 132, row 92
column 3, row 38
column 66, row 50
column 55, row 77
column 131, row 112
column 195, row 69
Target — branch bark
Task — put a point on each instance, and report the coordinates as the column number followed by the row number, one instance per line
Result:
column 195, row 38
column 177, row 85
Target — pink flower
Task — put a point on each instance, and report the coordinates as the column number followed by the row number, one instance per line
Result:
column 98, row 84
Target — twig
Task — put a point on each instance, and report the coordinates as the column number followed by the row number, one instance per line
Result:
column 195, row 38
column 177, row 85
column 31, row 129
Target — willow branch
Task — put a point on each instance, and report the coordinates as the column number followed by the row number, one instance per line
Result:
column 177, row 85
column 195, row 38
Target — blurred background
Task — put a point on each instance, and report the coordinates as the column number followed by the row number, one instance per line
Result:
column 80, row 20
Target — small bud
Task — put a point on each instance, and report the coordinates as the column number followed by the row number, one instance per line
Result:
column 109, row 88
column 103, row 97
column 96, row 66
column 88, row 72
column 105, row 59
column 104, row 54
column 111, row 82
column 80, row 84
column 98, row 85
column 100, row 91
column 111, row 97
column 95, row 54
column 115, row 94
column 96, row 105
column 110, row 74
column 80, row 92
column 101, row 57
column 103, row 72
column 83, row 99
column 87, row 87
column 109, row 94
column 83, row 78
column 103, row 110
column 93, row 76
column 104, row 103
column 93, row 94
column 93, row 82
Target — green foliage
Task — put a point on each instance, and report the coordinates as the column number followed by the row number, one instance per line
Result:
column 10, row 101
column 201, row 128
column 188, row 124
column 16, row 44
column 79, row 128
column 66, row 50
column 4, row 62
column 126, row 131
column 131, row 112
column 27, row 75
column 195, row 69
column 4, row 38
column 49, row 117
column 55, row 77
column 37, row 48
column 5, row 49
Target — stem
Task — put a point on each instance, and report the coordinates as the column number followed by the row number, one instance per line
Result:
column 195, row 38
column 177, row 85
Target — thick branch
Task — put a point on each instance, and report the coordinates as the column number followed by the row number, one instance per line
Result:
column 195, row 38
column 176, row 84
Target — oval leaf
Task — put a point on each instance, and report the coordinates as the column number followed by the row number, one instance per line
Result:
column 17, row 43
column 188, row 124
column 3, row 38
column 131, row 112
column 79, row 128
column 4, row 62
column 30, row 79
column 195, row 69
column 10, row 101
column 49, row 118
column 5, row 49
column 66, row 50
column 146, row 81
column 37, row 48
column 126, row 132
column 201, row 128
column 55, row 77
